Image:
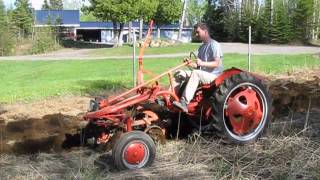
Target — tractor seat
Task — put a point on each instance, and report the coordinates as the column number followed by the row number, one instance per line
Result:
column 206, row 86
column 203, row 87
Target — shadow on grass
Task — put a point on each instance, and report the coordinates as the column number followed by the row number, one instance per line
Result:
column 84, row 45
column 101, row 87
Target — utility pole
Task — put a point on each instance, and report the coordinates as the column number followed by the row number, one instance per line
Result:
column 140, row 28
column 129, row 32
column 182, row 18
column 134, row 59
column 249, row 50
column 314, row 20
column 271, row 18
column 271, row 12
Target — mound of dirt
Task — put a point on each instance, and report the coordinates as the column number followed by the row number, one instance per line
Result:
column 40, row 126
column 35, row 135
column 296, row 92
column 68, row 105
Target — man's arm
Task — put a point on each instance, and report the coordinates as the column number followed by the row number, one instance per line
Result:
column 212, row 64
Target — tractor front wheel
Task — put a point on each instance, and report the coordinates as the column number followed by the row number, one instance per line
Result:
column 134, row 150
column 242, row 108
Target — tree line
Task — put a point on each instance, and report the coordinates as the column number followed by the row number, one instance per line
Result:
column 272, row 21
column 17, row 28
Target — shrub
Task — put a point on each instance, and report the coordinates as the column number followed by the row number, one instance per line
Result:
column 7, row 43
column 44, row 40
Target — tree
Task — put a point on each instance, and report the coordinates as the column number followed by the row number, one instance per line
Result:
column 45, row 5
column 3, row 20
column 6, row 37
column 117, row 11
column 281, row 31
column 72, row 4
column 22, row 17
column 316, row 20
column 56, row 4
column 168, row 11
column 196, row 10
column 303, row 19
column 185, row 4
column 146, row 10
column 87, row 16
column 214, row 19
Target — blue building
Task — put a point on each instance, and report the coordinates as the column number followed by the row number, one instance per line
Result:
column 102, row 32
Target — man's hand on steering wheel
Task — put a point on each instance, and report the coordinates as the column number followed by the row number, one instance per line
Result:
column 199, row 62
column 192, row 61
column 193, row 65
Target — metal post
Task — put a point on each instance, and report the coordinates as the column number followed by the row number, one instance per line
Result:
column 182, row 19
column 249, row 50
column 134, row 58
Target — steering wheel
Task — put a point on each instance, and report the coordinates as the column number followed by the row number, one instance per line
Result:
column 192, row 58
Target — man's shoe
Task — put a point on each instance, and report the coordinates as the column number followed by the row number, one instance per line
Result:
column 181, row 105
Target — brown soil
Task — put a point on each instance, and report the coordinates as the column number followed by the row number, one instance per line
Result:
column 295, row 92
column 40, row 126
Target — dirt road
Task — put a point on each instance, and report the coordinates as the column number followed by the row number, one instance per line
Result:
column 241, row 48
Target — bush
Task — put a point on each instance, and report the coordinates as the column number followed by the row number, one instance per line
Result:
column 7, row 43
column 44, row 40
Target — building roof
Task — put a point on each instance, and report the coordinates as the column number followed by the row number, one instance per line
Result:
column 109, row 25
column 68, row 17
column 72, row 18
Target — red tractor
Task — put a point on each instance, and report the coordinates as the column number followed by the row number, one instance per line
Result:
column 237, row 105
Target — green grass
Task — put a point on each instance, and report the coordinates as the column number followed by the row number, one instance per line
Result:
column 32, row 80
column 126, row 50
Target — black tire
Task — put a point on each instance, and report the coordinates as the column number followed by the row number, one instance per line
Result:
column 133, row 142
column 241, row 109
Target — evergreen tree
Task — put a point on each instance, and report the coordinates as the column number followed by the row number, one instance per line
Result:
column 246, row 21
column 56, row 4
column 45, row 5
column 281, row 31
column 262, row 28
column 261, row 31
column 22, row 17
column 214, row 18
column 6, row 37
column 3, row 17
column 231, row 25
column 302, row 19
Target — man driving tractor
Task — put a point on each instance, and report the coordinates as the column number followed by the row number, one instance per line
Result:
column 237, row 105
column 207, row 67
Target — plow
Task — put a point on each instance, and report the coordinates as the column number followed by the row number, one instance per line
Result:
column 236, row 105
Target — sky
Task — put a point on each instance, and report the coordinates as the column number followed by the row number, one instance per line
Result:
column 37, row 4
column 34, row 3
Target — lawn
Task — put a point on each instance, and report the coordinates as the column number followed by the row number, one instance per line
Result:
column 126, row 50
column 32, row 80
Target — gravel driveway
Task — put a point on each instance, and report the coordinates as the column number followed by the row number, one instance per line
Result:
column 241, row 48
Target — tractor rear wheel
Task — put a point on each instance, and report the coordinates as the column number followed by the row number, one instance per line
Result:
column 241, row 108
column 133, row 150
